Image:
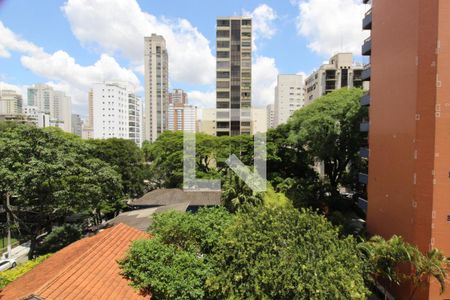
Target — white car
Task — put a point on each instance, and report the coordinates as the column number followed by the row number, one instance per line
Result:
column 6, row 264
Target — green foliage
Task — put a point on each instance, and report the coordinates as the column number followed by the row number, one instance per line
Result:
column 174, row 263
column 384, row 259
column 328, row 130
column 282, row 253
column 10, row 275
column 51, row 177
column 59, row 238
column 126, row 158
column 166, row 157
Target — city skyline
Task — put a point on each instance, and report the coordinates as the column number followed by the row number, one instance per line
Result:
column 74, row 57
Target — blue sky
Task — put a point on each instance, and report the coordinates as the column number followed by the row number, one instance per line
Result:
column 72, row 44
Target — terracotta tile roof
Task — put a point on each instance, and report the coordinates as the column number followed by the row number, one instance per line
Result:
column 86, row 269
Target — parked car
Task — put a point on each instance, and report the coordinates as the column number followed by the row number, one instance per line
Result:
column 6, row 264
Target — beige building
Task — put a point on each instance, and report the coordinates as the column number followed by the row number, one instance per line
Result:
column 87, row 131
column 55, row 103
column 207, row 124
column 270, row 111
column 156, row 86
column 289, row 96
column 180, row 115
column 233, row 75
column 259, row 120
column 10, row 102
column 339, row 72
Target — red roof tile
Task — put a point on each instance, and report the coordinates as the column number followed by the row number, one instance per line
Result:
column 86, row 269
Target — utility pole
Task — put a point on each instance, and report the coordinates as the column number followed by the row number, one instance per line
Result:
column 8, row 222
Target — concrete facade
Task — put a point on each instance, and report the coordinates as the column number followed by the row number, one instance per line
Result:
column 409, row 161
column 156, row 67
column 289, row 96
column 339, row 72
column 233, row 75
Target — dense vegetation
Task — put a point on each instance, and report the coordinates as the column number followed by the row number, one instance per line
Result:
column 294, row 241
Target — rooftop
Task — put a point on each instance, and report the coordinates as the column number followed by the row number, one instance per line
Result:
column 86, row 269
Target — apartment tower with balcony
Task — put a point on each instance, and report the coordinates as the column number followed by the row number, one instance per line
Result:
column 233, row 75
column 341, row 71
column 409, row 137
column 156, row 68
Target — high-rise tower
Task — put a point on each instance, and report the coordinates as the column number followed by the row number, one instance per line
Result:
column 156, row 86
column 233, row 75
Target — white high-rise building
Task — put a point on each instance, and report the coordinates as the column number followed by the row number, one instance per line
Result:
column 77, row 124
column 289, row 96
column 156, row 86
column 10, row 102
column 270, row 109
column 117, row 112
column 55, row 103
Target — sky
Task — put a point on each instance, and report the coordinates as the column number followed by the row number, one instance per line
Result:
column 71, row 44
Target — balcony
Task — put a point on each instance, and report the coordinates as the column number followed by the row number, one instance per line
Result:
column 363, row 178
column 364, row 153
column 364, row 127
column 367, row 21
column 365, row 75
column 365, row 99
column 363, row 204
column 366, row 48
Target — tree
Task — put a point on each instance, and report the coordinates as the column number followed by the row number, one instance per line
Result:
column 283, row 253
column 174, row 263
column 328, row 130
column 385, row 259
column 126, row 158
column 50, row 177
column 59, row 238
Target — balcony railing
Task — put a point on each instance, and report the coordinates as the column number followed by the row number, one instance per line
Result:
column 364, row 153
column 366, row 48
column 363, row 204
column 363, row 178
column 365, row 75
column 365, row 99
column 364, row 127
column 367, row 20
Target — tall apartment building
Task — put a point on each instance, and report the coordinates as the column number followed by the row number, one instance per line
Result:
column 409, row 112
column 10, row 102
column 181, row 116
column 233, row 75
column 77, row 124
column 178, row 96
column 156, row 86
column 87, row 131
column 289, row 96
column 270, row 111
column 55, row 103
column 117, row 112
column 340, row 72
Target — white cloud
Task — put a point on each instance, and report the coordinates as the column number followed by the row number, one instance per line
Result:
column 331, row 25
column 264, row 73
column 202, row 99
column 263, row 26
column 62, row 70
column 10, row 41
column 120, row 26
column 8, row 86
column 75, row 79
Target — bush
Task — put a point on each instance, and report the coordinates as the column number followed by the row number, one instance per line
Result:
column 9, row 276
column 59, row 238
column 282, row 253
